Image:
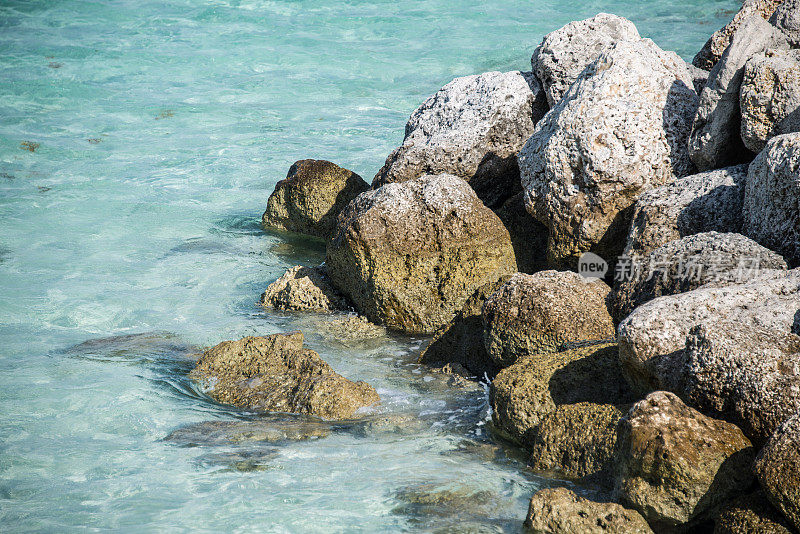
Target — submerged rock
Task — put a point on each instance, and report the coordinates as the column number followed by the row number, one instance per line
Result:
column 778, row 469
column 751, row 514
column 620, row 130
column 276, row 374
column 676, row 466
column 303, row 288
column 269, row 430
column 560, row 511
column 311, row 197
column 472, row 128
column 408, row 255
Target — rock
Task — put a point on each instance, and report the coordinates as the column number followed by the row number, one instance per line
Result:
column 560, row 511
column 751, row 514
column 472, row 128
column 771, row 210
column 620, row 129
column 455, row 507
column 699, row 77
column 691, row 262
column 350, row 328
column 716, row 45
column 705, row 202
column 652, row 338
column 460, row 341
column 533, row 313
column 676, row 466
column 408, row 255
column 528, row 236
column 715, row 141
column 303, row 288
column 787, row 19
column 311, row 197
column 564, row 53
column 770, row 97
column 276, row 374
column 523, row 394
column 777, row 469
column 222, row 433
column 747, row 376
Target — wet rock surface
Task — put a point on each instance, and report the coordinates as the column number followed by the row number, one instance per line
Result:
column 303, row 288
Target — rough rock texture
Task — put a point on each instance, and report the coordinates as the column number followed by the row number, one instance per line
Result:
column 652, row 338
column 771, row 208
column 564, row 53
column 472, row 128
column 460, row 341
column 534, row 313
column 715, row 140
column 528, row 236
column 620, row 129
column 560, row 511
column 787, row 19
column 716, row 45
column 778, row 469
column 770, row 97
column 704, row 202
column 303, row 288
column 311, row 197
column 699, row 77
column 408, row 255
column 748, row 376
column 751, row 514
column 677, row 466
column 276, row 374
column 691, row 262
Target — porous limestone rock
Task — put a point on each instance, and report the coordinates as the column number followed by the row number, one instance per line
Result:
column 408, row 255
column 771, row 208
column 751, row 514
column 311, row 197
column 528, row 236
column 778, row 469
column 560, row 511
column 787, row 19
column 770, row 97
column 534, row 313
column 715, row 140
column 303, row 288
column 676, row 466
column 565, row 52
column 276, row 374
column 472, row 128
column 620, row 129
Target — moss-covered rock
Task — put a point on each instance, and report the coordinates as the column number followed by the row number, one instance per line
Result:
column 751, row 514
column 303, row 288
column 778, row 469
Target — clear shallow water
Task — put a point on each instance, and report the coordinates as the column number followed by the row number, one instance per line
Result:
column 162, row 128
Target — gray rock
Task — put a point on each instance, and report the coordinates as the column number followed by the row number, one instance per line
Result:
column 699, row 77
column 689, row 263
column 787, row 19
column 778, row 469
column 770, row 97
column 303, row 288
column 715, row 141
column 751, row 514
column 676, row 466
column 705, row 202
column 408, row 255
column 771, row 209
column 620, row 129
column 748, row 376
column 528, row 236
column 472, row 128
column 652, row 338
column 560, row 511
column 716, row 45
column 564, row 53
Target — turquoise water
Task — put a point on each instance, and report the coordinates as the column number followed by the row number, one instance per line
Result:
column 161, row 129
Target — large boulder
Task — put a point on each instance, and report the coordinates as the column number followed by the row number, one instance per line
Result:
column 534, row 313
column 787, row 19
column 276, row 374
column 751, row 514
column 716, row 45
column 409, row 254
column 471, row 128
column 652, row 338
column 620, row 129
column 528, row 236
column 303, row 288
column 311, row 197
column 560, row 511
column 748, row 376
column 676, row 466
column 715, row 140
column 704, row 202
column 770, row 97
column 564, row 53
column 778, row 469
column 689, row 263
column 771, row 208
